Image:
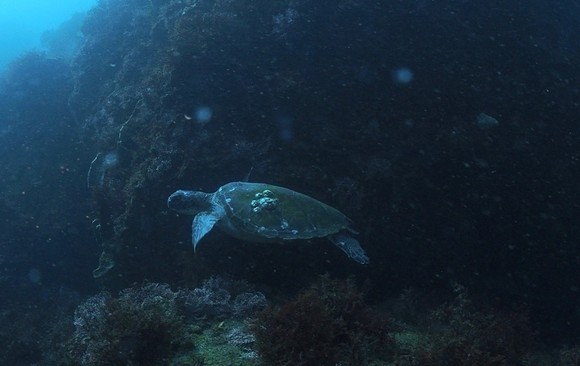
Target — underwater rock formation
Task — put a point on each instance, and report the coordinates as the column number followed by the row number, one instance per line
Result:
column 326, row 324
column 153, row 325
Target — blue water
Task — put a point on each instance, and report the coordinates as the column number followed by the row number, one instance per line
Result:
column 23, row 22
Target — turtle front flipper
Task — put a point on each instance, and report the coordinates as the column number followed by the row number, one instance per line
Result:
column 350, row 246
column 202, row 224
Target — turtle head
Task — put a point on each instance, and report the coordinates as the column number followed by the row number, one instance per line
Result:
column 189, row 202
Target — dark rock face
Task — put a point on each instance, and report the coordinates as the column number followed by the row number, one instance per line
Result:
column 272, row 90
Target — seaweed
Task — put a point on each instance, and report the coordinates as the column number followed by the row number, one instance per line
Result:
column 141, row 326
column 153, row 325
column 327, row 324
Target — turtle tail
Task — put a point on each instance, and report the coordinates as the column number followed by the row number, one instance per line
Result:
column 350, row 246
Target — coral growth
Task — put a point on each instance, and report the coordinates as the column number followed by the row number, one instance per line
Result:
column 459, row 333
column 326, row 324
column 227, row 342
column 153, row 325
column 141, row 326
column 219, row 299
column 570, row 356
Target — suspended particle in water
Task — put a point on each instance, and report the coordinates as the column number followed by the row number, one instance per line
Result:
column 203, row 115
column 106, row 262
column 402, row 75
column 99, row 167
column 485, row 121
column 285, row 128
column 35, row 276
column 110, row 160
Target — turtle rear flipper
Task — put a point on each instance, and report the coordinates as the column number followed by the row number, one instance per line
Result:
column 350, row 246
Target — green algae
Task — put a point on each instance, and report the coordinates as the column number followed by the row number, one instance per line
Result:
column 214, row 345
column 412, row 341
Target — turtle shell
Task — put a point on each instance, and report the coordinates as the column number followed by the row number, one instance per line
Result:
column 259, row 211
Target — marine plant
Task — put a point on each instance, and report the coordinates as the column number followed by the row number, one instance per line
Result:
column 327, row 324
column 569, row 356
column 141, row 326
column 462, row 333
column 153, row 325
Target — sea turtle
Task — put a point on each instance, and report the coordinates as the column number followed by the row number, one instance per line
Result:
column 265, row 213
